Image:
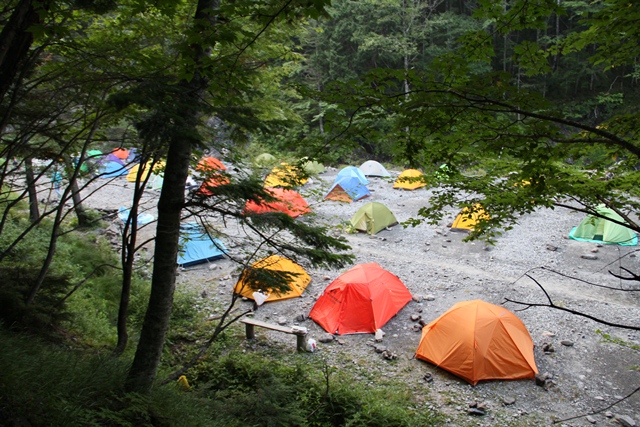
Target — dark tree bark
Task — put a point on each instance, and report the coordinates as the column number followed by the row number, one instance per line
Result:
column 143, row 370
column 16, row 39
column 34, row 212
column 81, row 214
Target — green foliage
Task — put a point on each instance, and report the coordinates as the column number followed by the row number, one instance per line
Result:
column 258, row 390
column 44, row 385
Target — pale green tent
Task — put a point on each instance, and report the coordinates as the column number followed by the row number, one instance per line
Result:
column 312, row 167
column 372, row 218
column 265, row 160
column 600, row 230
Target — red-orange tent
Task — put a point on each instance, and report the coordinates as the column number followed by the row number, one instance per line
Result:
column 209, row 164
column 213, row 181
column 121, row 153
column 289, row 202
column 361, row 300
column 478, row 341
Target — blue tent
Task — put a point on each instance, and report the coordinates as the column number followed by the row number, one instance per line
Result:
column 196, row 246
column 112, row 169
column 352, row 171
column 347, row 190
column 143, row 218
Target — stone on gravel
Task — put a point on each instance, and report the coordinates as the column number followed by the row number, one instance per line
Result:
column 300, row 318
column 567, row 343
column 625, row 420
column 379, row 348
column 589, row 256
column 379, row 335
column 326, row 338
column 417, row 298
column 415, row 317
column 430, row 297
column 552, row 248
column 590, row 419
column 508, row 400
column 282, row 321
column 476, row 412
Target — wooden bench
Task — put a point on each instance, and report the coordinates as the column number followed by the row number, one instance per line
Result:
column 299, row 332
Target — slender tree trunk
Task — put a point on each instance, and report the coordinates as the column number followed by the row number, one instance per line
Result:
column 81, row 214
column 34, row 212
column 143, row 370
column 16, row 39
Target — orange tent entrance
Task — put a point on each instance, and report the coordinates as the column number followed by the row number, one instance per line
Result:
column 289, row 202
column 298, row 281
column 210, row 164
column 361, row 300
column 478, row 341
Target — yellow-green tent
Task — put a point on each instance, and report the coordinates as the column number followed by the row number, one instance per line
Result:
column 601, row 230
column 410, row 179
column 373, row 217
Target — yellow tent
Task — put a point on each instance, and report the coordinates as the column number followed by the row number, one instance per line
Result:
column 467, row 220
column 133, row 173
column 409, row 180
column 286, row 176
column 277, row 263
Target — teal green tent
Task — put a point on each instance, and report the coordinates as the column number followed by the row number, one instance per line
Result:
column 372, row 218
column 313, row 167
column 600, row 230
column 265, row 160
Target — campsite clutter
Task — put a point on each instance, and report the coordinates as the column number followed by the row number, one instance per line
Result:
column 438, row 271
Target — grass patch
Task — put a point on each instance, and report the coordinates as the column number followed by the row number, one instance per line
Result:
column 614, row 340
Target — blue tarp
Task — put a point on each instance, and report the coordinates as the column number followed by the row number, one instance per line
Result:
column 143, row 218
column 112, row 169
column 196, row 246
column 352, row 171
column 352, row 186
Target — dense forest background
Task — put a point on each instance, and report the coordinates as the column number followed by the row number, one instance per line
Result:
column 512, row 104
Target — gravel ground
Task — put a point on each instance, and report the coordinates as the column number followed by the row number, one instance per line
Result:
column 588, row 376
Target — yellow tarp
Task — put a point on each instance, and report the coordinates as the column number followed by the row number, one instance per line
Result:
column 297, row 284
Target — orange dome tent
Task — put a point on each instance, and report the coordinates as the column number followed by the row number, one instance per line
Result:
column 478, row 341
column 298, row 282
column 121, row 153
column 289, row 202
column 361, row 300
column 210, row 164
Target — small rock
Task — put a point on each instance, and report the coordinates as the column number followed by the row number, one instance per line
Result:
column 327, row 278
column 625, row 420
column 416, row 327
column 326, row 338
column 429, row 297
column 567, row 343
column 608, row 414
column 415, row 317
column 590, row 419
column 508, row 400
column 476, row 412
column 428, row 377
column 417, row 298
column 341, row 342
column 379, row 335
column 482, row 406
column 300, row 318
column 548, row 348
column 588, row 256
column 548, row 334
column 282, row 321
column 388, row 355
column 473, row 404
column 379, row 348
column 552, row 248
column 595, row 250
column 541, row 379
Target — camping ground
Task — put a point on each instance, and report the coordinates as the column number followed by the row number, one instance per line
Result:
column 591, row 367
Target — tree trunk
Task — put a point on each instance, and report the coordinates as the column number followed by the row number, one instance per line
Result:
column 81, row 214
column 16, row 39
column 34, row 212
column 143, row 370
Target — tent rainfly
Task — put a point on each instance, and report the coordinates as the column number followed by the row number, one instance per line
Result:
column 347, row 190
column 196, row 246
column 297, row 281
column 467, row 219
column 479, row 341
column 410, row 179
column 600, row 230
column 351, row 171
column 289, row 202
column 286, row 176
column 373, row 217
column 373, row 168
column 362, row 300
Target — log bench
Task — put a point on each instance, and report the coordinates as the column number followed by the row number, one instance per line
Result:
column 299, row 332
